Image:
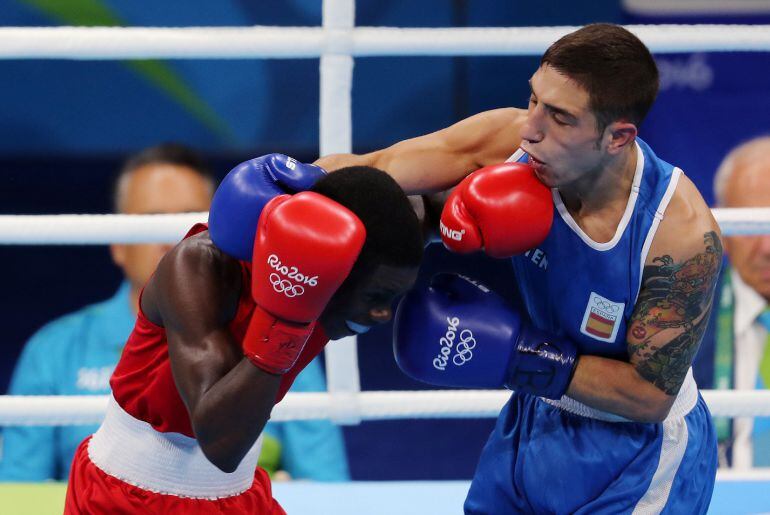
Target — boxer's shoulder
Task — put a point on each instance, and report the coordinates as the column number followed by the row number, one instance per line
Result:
column 199, row 255
column 194, row 270
column 687, row 225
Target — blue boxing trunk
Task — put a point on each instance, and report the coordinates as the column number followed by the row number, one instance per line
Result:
column 562, row 456
column 543, row 458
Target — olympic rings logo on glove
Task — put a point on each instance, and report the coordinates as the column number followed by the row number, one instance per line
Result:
column 291, row 272
column 464, row 348
column 286, row 287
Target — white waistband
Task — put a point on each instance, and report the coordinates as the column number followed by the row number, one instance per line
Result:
column 684, row 403
column 166, row 463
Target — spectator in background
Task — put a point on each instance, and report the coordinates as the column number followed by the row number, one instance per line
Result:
column 735, row 353
column 76, row 354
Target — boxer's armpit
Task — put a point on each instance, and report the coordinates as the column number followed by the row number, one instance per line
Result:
column 672, row 313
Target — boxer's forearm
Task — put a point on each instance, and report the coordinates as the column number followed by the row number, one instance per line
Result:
column 230, row 415
column 334, row 162
column 427, row 206
column 616, row 387
column 419, row 166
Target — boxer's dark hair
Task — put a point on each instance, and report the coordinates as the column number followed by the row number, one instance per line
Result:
column 613, row 66
column 393, row 233
column 165, row 153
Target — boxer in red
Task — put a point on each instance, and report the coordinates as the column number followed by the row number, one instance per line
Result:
column 220, row 335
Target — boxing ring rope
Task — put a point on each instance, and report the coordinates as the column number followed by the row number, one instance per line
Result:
column 382, row 405
column 335, row 43
column 170, row 228
column 96, row 43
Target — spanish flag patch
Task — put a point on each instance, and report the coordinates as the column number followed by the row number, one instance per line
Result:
column 602, row 317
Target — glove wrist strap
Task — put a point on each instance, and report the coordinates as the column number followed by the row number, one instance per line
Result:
column 542, row 363
column 272, row 344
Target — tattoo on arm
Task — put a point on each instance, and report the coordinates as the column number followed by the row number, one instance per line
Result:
column 671, row 314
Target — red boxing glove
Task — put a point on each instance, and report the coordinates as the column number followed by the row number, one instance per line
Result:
column 305, row 247
column 503, row 209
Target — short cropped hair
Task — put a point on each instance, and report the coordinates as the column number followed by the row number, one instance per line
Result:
column 393, row 233
column 754, row 149
column 613, row 66
column 166, row 153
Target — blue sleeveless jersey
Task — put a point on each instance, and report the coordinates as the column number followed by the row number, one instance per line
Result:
column 574, row 286
column 563, row 456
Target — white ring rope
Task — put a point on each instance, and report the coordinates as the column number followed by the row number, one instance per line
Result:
column 96, row 229
column 373, row 405
column 743, row 220
column 106, row 229
column 302, row 42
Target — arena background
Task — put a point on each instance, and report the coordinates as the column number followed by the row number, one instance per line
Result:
column 66, row 125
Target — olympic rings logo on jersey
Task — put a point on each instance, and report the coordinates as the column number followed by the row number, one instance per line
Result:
column 286, row 287
column 464, row 348
column 606, row 306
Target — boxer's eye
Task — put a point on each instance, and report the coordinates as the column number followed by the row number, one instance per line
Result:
column 558, row 121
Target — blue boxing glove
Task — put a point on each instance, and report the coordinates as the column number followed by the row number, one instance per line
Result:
column 243, row 193
column 459, row 333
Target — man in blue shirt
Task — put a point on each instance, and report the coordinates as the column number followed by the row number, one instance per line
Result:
column 76, row 354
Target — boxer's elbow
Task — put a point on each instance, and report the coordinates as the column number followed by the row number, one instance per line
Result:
column 222, row 448
column 653, row 407
column 227, row 466
column 653, row 412
column 223, row 457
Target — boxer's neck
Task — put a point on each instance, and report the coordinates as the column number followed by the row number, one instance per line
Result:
column 598, row 200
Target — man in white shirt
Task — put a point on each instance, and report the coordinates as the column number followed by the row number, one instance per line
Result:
column 739, row 357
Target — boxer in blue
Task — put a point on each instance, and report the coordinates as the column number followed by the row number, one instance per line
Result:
column 617, row 277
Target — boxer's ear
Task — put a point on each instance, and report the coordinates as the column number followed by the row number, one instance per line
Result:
column 620, row 135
